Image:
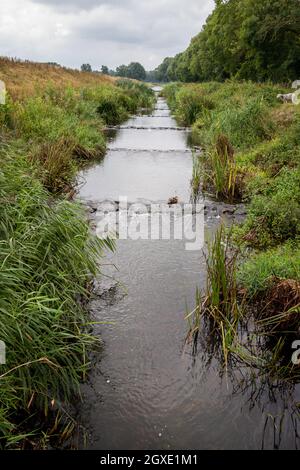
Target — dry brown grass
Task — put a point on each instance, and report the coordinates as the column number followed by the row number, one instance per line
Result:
column 25, row 79
column 284, row 115
column 279, row 308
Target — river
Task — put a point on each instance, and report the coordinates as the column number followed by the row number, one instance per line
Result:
column 146, row 389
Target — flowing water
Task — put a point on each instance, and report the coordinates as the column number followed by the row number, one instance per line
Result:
column 146, row 390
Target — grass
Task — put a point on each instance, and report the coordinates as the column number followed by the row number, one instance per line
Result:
column 219, row 303
column 259, row 337
column 47, row 257
column 257, row 274
column 196, row 176
column 25, row 79
column 274, row 212
column 57, row 164
column 221, row 172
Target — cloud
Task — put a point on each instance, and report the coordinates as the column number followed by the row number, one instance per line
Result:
column 69, row 5
column 108, row 32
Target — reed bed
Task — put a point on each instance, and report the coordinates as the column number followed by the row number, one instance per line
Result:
column 47, row 258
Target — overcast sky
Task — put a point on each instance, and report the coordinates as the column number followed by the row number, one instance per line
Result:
column 109, row 32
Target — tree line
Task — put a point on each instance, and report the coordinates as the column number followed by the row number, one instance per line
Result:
column 134, row 70
column 246, row 39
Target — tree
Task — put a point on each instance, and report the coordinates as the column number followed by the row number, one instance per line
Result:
column 162, row 70
column 248, row 39
column 104, row 70
column 86, row 68
column 121, row 71
column 134, row 70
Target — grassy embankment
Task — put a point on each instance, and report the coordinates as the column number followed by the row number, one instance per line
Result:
column 52, row 122
column 251, row 153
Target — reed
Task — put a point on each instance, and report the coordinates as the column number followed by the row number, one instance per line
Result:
column 196, row 176
column 47, row 258
column 220, row 170
column 219, row 303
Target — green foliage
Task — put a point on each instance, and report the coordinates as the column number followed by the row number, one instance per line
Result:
column 163, row 73
column 86, row 68
column 221, row 174
column 246, row 39
column 284, row 149
column 221, row 277
column 55, row 116
column 239, row 110
column 47, row 256
column 274, row 214
column 257, row 273
column 134, row 70
column 105, row 70
column 115, row 104
column 220, row 301
column 170, row 93
column 196, row 176
column 141, row 95
column 56, row 164
column 244, row 125
column 64, row 126
column 190, row 105
column 113, row 108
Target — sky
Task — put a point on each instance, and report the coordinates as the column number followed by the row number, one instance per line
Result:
column 99, row 32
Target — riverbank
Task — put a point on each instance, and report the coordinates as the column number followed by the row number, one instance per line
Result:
column 51, row 124
column 251, row 153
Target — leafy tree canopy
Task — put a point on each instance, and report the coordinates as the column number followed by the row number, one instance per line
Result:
column 134, row 70
column 86, row 68
column 246, row 39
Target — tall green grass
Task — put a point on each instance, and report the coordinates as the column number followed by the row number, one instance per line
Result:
column 47, row 257
column 219, row 303
column 256, row 274
column 196, row 176
column 220, row 171
column 274, row 211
